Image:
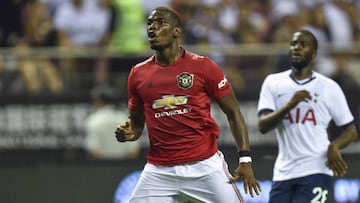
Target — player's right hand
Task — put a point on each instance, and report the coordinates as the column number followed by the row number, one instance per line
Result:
column 299, row 96
column 124, row 133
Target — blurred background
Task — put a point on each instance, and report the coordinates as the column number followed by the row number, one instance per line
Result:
column 59, row 58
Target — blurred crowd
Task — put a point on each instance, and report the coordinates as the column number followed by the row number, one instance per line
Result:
column 118, row 26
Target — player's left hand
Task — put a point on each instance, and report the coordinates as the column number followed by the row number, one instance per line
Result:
column 335, row 161
column 245, row 173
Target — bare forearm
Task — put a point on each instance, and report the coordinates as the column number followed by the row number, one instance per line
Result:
column 269, row 121
column 239, row 131
column 230, row 107
column 137, row 120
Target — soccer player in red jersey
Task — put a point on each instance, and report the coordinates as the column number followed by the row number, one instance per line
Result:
column 171, row 92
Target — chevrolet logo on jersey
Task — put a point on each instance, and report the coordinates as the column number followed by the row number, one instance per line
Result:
column 169, row 102
column 185, row 80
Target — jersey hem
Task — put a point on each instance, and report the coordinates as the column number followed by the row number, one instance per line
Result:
column 180, row 162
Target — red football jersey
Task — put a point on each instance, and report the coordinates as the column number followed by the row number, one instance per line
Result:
column 176, row 101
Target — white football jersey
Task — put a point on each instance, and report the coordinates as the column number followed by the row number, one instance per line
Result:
column 302, row 134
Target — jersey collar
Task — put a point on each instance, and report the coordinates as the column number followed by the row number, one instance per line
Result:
column 303, row 82
column 183, row 54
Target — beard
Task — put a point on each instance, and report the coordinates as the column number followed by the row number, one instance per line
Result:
column 155, row 47
column 300, row 64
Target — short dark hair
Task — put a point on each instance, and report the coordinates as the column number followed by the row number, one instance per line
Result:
column 174, row 15
column 312, row 36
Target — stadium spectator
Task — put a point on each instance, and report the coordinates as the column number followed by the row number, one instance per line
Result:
column 211, row 25
column 129, row 25
column 341, row 18
column 52, row 5
column 81, row 25
column 38, row 73
column 99, row 127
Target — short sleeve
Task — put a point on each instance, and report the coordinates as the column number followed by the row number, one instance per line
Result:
column 338, row 107
column 217, row 85
column 135, row 102
column 266, row 98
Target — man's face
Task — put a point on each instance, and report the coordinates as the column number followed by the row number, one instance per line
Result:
column 301, row 50
column 160, row 31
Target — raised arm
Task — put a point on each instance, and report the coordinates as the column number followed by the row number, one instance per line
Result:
column 268, row 120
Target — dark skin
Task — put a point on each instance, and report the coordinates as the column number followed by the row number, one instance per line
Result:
column 302, row 54
column 163, row 36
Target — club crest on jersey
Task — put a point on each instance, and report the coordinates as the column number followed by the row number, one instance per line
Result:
column 185, row 80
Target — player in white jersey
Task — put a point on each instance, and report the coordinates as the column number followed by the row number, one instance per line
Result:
column 299, row 104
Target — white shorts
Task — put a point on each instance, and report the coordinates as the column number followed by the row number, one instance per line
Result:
column 202, row 181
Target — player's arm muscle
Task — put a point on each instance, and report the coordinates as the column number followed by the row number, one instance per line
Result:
column 230, row 107
column 348, row 135
column 269, row 120
column 137, row 120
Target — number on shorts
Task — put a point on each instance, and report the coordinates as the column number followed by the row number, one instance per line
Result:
column 320, row 195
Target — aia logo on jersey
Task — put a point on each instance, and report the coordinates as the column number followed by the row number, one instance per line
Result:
column 185, row 80
column 300, row 117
